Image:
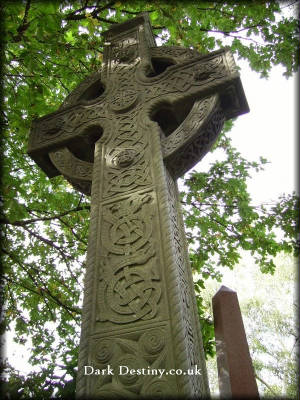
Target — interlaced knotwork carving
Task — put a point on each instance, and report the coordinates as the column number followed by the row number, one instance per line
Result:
column 128, row 179
column 130, row 287
column 128, row 231
column 77, row 172
column 130, row 139
column 174, row 52
column 66, row 125
column 124, row 99
column 208, row 71
column 70, row 165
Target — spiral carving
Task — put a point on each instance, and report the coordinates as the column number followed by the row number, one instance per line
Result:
column 152, row 341
column 131, row 362
column 157, row 389
column 105, row 352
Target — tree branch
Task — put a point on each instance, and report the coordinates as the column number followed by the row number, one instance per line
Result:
column 130, row 12
column 73, row 233
column 24, row 25
column 42, row 239
column 44, row 290
column 76, row 17
column 33, row 220
column 265, row 383
column 64, row 256
column 23, row 75
column 236, row 234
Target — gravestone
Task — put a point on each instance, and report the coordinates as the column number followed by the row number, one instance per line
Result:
column 124, row 135
column 235, row 369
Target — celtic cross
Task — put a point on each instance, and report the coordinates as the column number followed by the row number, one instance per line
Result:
column 124, row 135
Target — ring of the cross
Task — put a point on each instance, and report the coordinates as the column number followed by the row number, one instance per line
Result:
column 71, row 166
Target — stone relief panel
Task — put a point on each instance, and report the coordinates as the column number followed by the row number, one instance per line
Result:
column 127, row 157
column 140, row 350
column 203, row 74
column 174, row 52
column 130, row 283
column 62, row 127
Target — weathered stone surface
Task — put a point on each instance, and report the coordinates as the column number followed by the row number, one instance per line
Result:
column 235, row 370
column 151, row 113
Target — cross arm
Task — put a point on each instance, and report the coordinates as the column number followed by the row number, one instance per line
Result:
column 66, row 127
column 198, row 78
column 197, row 95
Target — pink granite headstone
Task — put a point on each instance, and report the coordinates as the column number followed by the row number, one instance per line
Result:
column 235, row 370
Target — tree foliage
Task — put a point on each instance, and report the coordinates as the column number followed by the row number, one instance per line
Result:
column 49, row 48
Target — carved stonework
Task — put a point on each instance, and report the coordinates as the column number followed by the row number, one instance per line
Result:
column 124, row 135
column 189, row 319
column 141, row 351
column 192, row 125
column 71, row 166
column 129, row 281
column 194, row 151
column 125, row 157
column 121, row 101
column 128, row 160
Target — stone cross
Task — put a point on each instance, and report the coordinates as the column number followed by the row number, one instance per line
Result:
column 124, row 135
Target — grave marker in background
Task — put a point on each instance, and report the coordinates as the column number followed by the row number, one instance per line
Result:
column 235, row 370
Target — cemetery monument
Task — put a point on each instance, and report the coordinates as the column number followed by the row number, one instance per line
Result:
column 124, row 136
